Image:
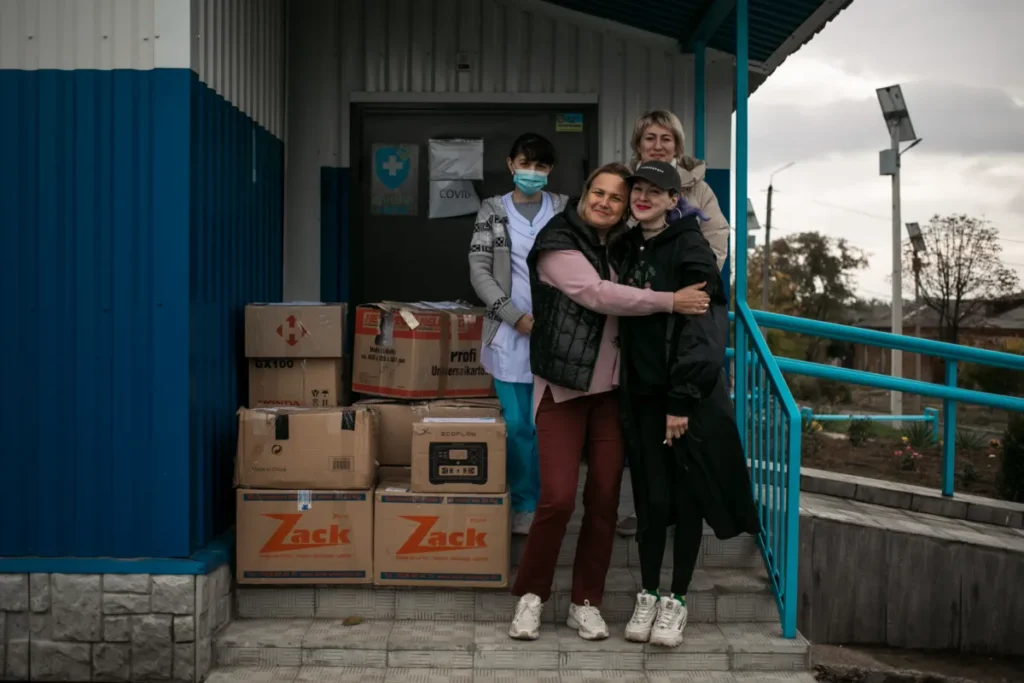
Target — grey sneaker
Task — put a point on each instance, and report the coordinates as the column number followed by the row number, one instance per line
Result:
column 521, row 523
column 627, row 526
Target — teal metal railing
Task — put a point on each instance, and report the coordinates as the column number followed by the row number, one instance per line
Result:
column 931, row 416
column 769, row 422
column 949, row 392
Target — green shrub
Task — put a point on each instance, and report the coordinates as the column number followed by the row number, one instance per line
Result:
column 1011, row 465
column 919, row 435
column 859, row 432
column 969, row 440
column 968, row 476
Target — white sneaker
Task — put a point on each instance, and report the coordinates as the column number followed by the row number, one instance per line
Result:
column 668, row 628
column 638, row 630
column 526, row 623
column 521, row 523
column 587, row 621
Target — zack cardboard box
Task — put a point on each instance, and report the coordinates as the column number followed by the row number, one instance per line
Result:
column 297, row 382
column 304, row 536
column 458, row 455
column 418, row 351
column 295, row 330
column 307, row 448
column 397, row 418
column 435, row 540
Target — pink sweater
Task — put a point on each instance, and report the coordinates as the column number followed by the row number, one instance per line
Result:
column 571, row 273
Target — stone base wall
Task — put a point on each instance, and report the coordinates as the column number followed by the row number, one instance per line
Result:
column 111, row 627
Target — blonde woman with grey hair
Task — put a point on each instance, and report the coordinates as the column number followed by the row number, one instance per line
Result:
column 658, row 136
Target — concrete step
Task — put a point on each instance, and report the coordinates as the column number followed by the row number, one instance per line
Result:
column 736, row 553
column 314, row 674
column 716, row 596
column 479, row 651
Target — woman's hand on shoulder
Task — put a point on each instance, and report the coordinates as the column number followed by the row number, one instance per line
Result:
column 692, row 300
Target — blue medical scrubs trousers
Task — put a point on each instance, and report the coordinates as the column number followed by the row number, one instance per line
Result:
column 523, row 471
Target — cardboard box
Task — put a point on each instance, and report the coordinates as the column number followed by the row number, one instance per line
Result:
column 304, row 536
column 396, row 420
column 417, row 351
column 391, row 475
column 298, row 382
column 458, row 455
column 440, row 539
column 307, row 448
column 295, row 330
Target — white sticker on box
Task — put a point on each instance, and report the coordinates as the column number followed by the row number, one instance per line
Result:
column 396, row 489
column 305, row 500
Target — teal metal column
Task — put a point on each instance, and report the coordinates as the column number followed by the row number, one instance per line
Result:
column 739, row 215
column 700, row 84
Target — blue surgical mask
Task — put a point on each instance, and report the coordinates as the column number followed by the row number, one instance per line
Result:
column 529, row 182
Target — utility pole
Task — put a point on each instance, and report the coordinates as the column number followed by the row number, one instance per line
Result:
column 897, row 120
column 896, row 397
column 766, row 262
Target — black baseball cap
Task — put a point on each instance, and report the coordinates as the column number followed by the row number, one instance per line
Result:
column 659, row 173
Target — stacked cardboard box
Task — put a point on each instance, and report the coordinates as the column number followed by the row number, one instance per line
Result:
column 296, row 355
column 305, row 467
column 449, row 525
column 423, row 350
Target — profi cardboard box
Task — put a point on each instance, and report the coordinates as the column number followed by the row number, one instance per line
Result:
column 458, row 455
column 440, row 539
column 295, row 330
column 421, row 350
column 397, row 418
column 307, row 448
column 298, row 382
column 304, row 536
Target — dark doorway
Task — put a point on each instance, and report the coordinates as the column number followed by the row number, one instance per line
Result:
column 415, row 258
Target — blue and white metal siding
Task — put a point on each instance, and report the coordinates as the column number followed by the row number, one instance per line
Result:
column 236, row 223
column 109, row 410
column 407, row 49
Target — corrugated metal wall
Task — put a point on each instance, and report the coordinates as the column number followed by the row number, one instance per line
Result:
column 340, row 52
column 141, row 211
column 236, row 225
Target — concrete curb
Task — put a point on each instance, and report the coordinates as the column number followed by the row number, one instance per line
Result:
column 915, row 498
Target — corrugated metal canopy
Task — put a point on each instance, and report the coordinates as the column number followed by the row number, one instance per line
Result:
column 772, row 22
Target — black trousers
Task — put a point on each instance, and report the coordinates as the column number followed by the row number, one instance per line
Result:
column 679, row 507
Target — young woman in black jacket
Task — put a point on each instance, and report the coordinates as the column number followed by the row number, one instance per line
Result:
column 686, row 459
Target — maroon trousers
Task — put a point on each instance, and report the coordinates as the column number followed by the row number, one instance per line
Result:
column 564, row 431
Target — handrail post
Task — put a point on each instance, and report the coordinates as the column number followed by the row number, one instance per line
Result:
column 933, row 420
column 949, row 433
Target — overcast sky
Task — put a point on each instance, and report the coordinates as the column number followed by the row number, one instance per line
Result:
column 961, row 65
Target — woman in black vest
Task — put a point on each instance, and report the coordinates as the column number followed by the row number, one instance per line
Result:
column 686, row 460
column 574, row 359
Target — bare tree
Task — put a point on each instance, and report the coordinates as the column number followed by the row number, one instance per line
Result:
column 961, row 270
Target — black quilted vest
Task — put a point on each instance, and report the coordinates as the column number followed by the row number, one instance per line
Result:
column 566, row 336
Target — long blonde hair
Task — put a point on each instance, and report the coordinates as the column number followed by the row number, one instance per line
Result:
column 613, row 168
column 658, row 117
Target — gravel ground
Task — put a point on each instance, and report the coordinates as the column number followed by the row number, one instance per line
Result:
column 836, row 664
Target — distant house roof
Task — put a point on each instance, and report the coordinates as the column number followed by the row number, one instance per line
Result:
column 778, row 28
column 1005, row 313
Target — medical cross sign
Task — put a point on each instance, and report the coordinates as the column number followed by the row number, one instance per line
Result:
column 393, row 166
column 394, row 173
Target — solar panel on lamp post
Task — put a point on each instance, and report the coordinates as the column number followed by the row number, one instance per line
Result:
column 901, row 129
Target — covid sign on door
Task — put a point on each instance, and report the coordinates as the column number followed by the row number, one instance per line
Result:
column 454, row 165
column 393, row 188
